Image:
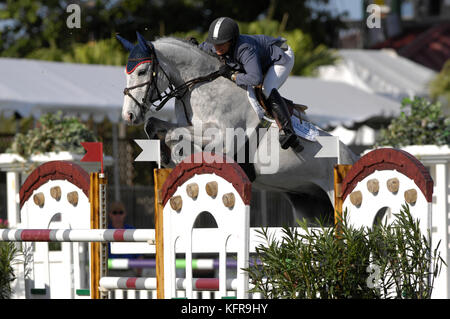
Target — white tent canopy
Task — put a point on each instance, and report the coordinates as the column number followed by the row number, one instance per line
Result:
column 380, row 72
column 334, row 103
column 33, row 87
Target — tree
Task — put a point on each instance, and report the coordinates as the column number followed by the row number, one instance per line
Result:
column 440, row 87
column 107, row 51
column 312, row 17
column 308, row 57
column 37, row 24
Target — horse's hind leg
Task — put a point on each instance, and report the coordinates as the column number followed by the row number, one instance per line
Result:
column 312, row 206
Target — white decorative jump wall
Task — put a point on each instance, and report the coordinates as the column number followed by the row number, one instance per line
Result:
column 206, row 183
column 60, row 202
column 54, row 195
column 383, row 180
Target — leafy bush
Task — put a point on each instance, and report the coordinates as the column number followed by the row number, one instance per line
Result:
column 440, row 86
column 54, row 134
column 421, row 122
column 321, row 263
column 404, row 258
column 8, row 253
column 107, row 51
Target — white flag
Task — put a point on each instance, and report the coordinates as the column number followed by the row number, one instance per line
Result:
column 330, row 147
column 150, row 151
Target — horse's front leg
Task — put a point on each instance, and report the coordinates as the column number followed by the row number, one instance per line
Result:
column 158, row 129
column 186, row 140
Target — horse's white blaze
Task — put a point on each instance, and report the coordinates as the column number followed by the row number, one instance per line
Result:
column 129, row 105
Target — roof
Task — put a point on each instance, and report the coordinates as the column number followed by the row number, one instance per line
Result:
column 331, row 103
column 430, row 48
column 381, row 72
column 32, row 87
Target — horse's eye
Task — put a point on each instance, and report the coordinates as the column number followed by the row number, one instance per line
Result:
column 141, row 72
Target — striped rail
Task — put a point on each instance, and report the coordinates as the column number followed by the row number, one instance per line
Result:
column 78, row 235
column 197, row 264
column 149, row 283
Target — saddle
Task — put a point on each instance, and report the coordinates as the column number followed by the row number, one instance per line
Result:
column 294, row 108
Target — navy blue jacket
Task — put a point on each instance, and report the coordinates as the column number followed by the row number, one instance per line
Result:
column 252, row 55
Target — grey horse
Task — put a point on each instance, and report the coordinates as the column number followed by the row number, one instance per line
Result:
column 158, row 67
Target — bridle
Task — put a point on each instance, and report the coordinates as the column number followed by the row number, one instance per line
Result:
column 127, row 91
column 173, row 91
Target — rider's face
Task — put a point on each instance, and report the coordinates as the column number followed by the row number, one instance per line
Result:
column 222, row 49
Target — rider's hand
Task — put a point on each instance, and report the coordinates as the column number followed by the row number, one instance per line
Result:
column 226, row 71
column 192, row 40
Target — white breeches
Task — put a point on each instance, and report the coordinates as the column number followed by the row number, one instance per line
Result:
column 278, row 73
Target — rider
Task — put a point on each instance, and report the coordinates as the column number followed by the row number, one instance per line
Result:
column 247, row 59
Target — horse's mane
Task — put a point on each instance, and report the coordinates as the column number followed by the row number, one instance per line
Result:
column 189, row 47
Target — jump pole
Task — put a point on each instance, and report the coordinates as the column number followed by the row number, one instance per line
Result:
column 97, row 199
column 160, row 176
column 151, row 153
column 77, row 235
column 340, row 171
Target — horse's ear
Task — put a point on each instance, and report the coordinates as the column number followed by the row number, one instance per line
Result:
column 142, row 42
column 126, row 44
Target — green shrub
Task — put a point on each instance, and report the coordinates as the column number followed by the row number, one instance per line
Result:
column 421, row 122
column 54, row 134
column 404, row 258
column 8, row 253
column 318, row 263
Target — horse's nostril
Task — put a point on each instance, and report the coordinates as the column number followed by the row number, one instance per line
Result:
column 130, row 117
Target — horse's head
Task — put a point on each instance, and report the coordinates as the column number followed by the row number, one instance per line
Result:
column 144, row 83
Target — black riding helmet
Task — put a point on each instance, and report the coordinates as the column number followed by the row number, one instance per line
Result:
column 223, row 30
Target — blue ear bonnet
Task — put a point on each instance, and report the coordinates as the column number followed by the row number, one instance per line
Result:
column 137, row 56
column 140, row 53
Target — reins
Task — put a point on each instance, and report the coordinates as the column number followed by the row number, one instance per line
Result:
column 180, row 91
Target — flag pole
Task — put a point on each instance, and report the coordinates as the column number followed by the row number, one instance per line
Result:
column 338, row 152
column 101, row 160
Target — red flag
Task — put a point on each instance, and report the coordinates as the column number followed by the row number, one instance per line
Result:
column 94, row 152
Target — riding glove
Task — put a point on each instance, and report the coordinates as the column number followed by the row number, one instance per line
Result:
column 226, row 71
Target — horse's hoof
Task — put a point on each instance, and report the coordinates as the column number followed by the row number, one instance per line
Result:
column 287, row 140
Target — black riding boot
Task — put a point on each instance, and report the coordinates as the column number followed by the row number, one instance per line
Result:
column 281, row 112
